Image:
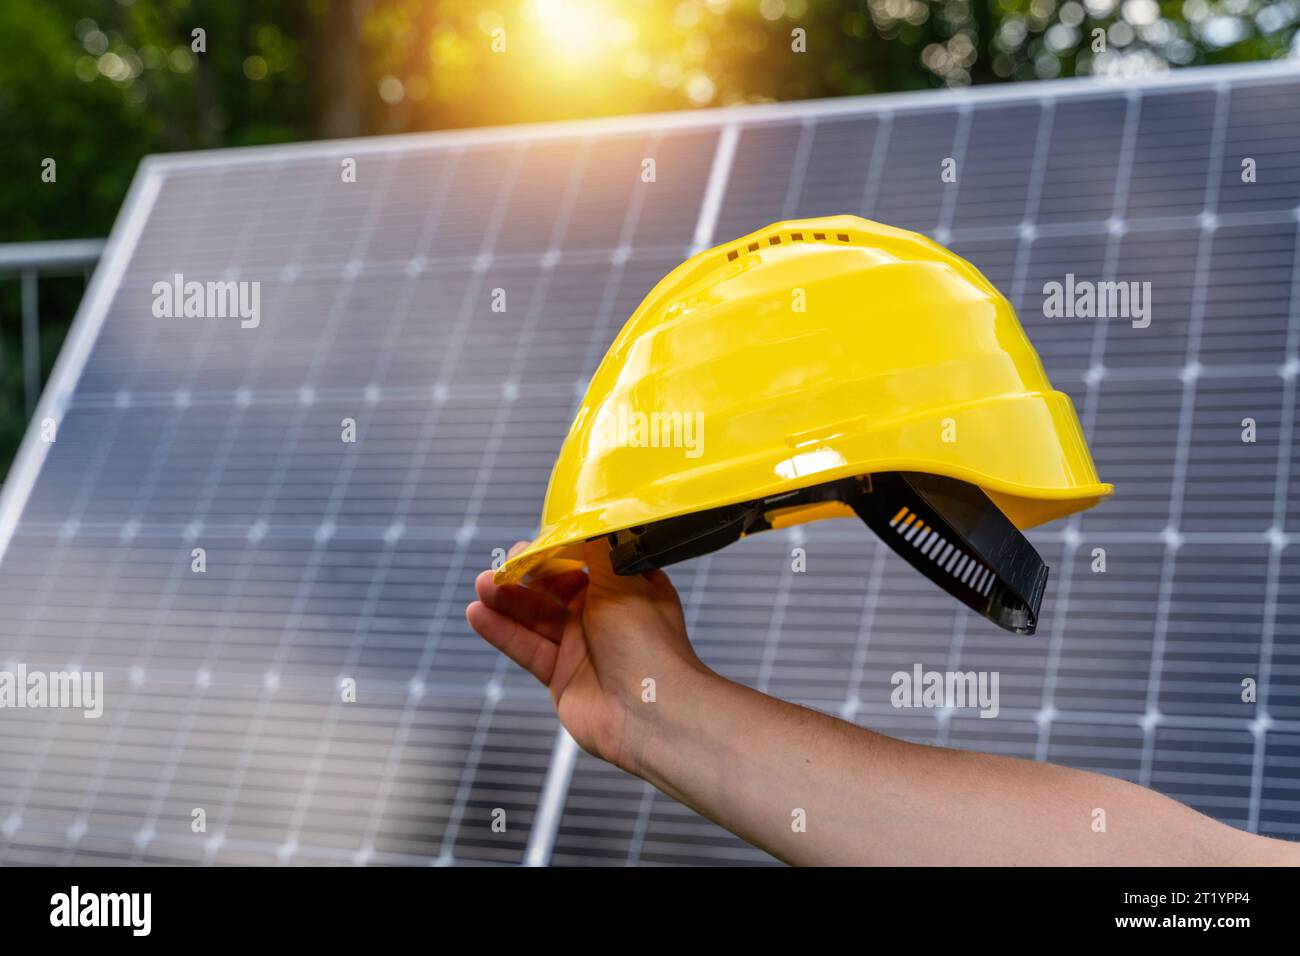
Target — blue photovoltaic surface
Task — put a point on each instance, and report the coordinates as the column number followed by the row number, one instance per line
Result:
column 328, row 560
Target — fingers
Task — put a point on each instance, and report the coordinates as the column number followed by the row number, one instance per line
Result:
column 530, row 650
column 552, row 567
column 533, row 608
column 602, row 573
column 561, row 587
column 596, row 554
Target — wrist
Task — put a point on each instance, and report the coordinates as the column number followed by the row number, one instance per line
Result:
column 662, row 717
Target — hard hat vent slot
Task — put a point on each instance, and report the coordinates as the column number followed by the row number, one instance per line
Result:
column 776, row 240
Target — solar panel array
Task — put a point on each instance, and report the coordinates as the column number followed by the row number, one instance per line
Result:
column 328, row 559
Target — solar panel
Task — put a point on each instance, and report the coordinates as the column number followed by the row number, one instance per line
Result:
column 329, row 560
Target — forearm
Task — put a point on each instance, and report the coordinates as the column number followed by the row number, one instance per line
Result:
column 760, row 766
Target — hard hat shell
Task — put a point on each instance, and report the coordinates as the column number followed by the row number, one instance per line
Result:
column 805, row 352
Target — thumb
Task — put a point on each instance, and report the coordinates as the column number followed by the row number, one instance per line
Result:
column 599, row 568
column 601, row 571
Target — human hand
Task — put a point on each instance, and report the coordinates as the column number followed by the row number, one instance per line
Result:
column 592, row 637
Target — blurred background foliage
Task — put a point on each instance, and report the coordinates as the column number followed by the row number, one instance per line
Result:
column 97, row 84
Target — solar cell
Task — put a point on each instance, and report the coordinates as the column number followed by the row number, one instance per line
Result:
column 328, row 561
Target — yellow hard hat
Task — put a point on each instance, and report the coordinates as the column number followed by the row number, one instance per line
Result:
column 823, row 368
